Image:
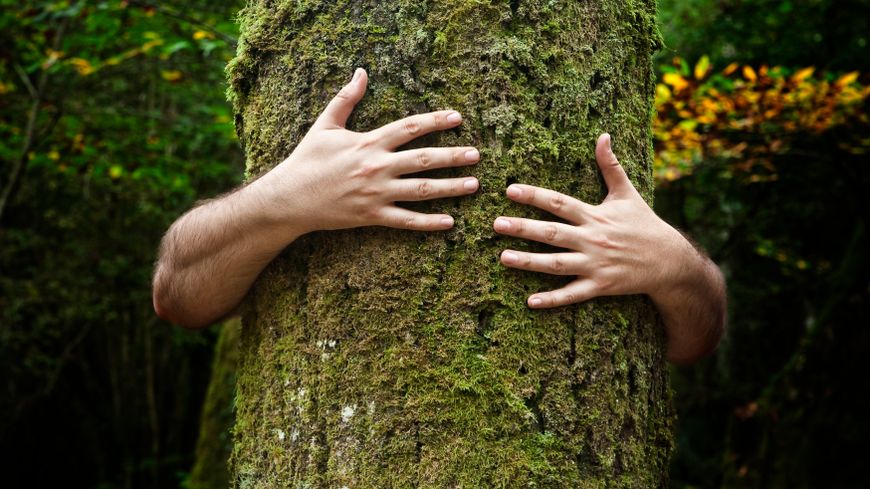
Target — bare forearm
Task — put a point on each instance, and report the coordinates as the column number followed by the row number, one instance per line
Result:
column 334, row 179
column 693, row 310
column 210, row 257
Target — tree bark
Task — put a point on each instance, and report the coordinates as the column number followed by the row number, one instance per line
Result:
column 385, row 358
column 214, row 445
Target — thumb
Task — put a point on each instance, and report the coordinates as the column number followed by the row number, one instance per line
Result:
column 614, row 175
column 338, row 110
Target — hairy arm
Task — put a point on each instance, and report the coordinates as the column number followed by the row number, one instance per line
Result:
column 622, row 247
column 334, row 179
column 211, row 255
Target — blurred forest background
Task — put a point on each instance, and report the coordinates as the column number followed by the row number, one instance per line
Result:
column 113, row 121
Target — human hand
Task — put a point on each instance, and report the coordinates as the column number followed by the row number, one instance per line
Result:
column 337, row 179
column 619, row 247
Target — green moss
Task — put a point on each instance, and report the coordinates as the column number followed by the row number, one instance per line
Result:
column 215, row 443
column 381, row 358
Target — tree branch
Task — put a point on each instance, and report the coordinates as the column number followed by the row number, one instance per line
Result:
column 30, row 128
column 26, row 81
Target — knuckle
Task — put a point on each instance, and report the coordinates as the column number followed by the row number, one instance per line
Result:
column 603, row 281
column 569, row 298
column 424, row 159
column 551, row 232
column 369, row 191
column 527, row 259
column 532, row 194
column 557, row 265
column 612, row 161
column 411, row 127
column 370, row 213
column 602, row 241
column 343, row 95
column 599, row 218
column 439, row 120
column 424, row 189
column 369, row 168
column 557, row 202
column 367, row 141
column 409, row 222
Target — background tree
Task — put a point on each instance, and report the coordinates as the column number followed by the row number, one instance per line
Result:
column 383, row 358
column 215, row 444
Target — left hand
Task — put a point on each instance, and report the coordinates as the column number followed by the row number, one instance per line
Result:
column 619, row 247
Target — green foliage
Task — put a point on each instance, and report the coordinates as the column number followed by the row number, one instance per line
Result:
column 778, row 195
column 829, row 34
column 112, row 122
column 771, row 176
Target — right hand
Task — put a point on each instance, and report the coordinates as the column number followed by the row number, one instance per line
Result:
column 338, row 179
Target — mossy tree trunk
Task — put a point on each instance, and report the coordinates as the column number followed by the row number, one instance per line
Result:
column 214, row 445
column 384, row 358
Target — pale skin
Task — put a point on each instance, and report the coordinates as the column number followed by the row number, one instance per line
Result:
column 340, row 179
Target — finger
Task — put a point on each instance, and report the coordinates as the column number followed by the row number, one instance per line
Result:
column 408, row 129
column 561, row 205
column 552, row 263
column 552, row 233
column 577, row 291
column 396, row 217
column 614, row 175
column 417, row 160
column 338, row 110
column 417, row 189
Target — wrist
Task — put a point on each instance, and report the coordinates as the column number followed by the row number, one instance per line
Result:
column 277, row 206
column 681, row 264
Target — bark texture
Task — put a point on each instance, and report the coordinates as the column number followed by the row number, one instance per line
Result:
column 214, row 445
column 383, row 358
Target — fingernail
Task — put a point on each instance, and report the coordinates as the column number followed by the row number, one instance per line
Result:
column 609, row 141
column 447, row 221
column 508, row 257
column 454, row 118
column 502, row 224
column 356, row 75
column 470, row 184
column 535, row 302
column 472, row 155
column 514, row 192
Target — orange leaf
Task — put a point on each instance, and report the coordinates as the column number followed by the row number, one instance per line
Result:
column 730, row 69
column 702, row 67
column 749, row 73
column 82, row 66
column 675, row 80
column 848, row 79
column 803, row 74
column 172, row 76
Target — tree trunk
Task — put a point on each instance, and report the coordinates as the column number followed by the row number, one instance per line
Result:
column 214, row 445
column 382, row 358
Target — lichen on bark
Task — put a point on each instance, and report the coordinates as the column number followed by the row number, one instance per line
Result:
column 384, row 358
